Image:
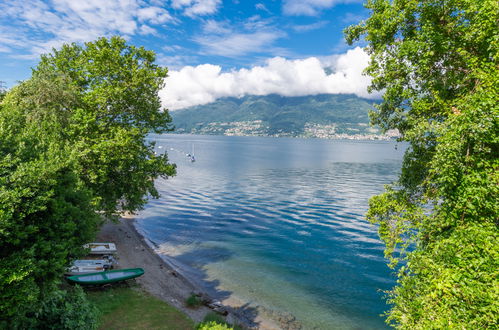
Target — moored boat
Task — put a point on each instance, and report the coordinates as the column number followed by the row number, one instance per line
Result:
column 106, row 277
column 101, row 248
column 89, row 266
column 86, row 269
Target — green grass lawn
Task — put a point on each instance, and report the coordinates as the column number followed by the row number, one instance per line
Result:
column 130, row 308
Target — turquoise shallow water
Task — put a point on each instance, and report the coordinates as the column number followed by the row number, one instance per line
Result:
column 278, row 223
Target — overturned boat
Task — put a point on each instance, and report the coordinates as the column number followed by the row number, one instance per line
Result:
column 101, row 248
column 106, row 277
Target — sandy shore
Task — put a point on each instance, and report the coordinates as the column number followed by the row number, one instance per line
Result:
column 162, row 281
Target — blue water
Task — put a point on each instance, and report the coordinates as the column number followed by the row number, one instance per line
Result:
column 278, row 223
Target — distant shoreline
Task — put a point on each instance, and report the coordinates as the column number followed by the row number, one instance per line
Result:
column 357, row 137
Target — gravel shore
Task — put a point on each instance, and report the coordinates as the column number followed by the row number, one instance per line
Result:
column 159, row 279
column 164, row 282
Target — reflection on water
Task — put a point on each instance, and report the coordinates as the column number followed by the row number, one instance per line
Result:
column 279, row 222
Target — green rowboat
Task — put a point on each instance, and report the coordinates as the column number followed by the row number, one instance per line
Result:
column 106, row 277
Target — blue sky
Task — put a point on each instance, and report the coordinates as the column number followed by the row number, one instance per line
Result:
column 229, row 39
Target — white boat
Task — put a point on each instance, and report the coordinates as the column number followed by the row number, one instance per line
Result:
column 94, row 262
column 101, row 248
column 89, row 266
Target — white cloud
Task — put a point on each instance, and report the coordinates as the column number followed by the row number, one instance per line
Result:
column 253, row 35
column 310, row 7
column 172, row 48
column 155, row 15
column 237, row 44
column 215, row 27
column 175, row 62
column 194, row 8
column 205, row 83
column 261, row 6
column 351, row 18
column 54, row 22
column 146, row 29
column 310, row 27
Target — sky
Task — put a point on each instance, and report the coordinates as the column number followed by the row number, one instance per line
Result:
column 213, row 48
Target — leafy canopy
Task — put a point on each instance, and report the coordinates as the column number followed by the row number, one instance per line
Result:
column 72, row 146
column 437, row 63
column 116, row 104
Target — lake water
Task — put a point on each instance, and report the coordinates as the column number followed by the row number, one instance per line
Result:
column 278, row 223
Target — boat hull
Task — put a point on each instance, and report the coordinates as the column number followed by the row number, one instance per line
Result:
column 101, row 248
column 106, row 277
column 80, row 267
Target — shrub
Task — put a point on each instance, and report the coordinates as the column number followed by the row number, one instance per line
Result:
column 60, row 309
column 213, row 326
column 214, row 317
column 193, row 301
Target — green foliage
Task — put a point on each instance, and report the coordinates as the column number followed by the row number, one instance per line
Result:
column 213, row 317
column 438, row 65
column 72, row 146
column 193, row 301
column 215, row 321
column 115, row 105
column 66, row 310
column 45, row 211
column 213, row 326
column 278, row 114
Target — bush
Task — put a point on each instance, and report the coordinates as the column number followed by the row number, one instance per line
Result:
column 193, row 301
column 59, row 309
column 214, row 317
column 67, row 310
column 213, row 326
column 214, row 321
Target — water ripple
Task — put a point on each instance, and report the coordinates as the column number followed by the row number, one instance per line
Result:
column 298, row 224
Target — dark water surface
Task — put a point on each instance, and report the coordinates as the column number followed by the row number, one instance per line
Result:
column 278, row 222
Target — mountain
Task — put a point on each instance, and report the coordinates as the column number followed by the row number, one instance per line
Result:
column 325, row 115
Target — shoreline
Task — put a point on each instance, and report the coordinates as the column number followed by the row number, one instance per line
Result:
column 166, row 282
column 335, row 137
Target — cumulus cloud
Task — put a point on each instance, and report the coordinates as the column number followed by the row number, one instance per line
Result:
column 338, row 74
column 310, row 7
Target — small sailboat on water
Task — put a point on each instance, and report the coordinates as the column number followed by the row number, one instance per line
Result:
column 191, row 155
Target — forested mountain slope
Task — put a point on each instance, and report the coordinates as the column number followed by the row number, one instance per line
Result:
column 274, row 115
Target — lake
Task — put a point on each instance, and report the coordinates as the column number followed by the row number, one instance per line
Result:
column 278, row 223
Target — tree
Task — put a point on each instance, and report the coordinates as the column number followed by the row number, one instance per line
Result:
column 73, row 149
column 115, row 107
column 437, row 63
column 45, row 212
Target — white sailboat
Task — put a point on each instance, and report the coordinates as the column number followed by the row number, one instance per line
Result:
column 191, row 155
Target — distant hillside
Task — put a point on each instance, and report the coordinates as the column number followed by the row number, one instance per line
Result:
column 325, row 116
